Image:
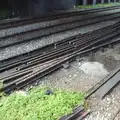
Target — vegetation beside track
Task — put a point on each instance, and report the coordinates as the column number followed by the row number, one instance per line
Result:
column 98, row 5
column 36, row 105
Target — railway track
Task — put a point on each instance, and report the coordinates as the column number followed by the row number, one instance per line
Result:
column 17, row 22
column 56, row 21
column 47, row 23
column 37, row 34
column 67, row 45
column 35, row 66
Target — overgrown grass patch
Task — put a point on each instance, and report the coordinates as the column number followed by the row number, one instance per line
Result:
column 98, row 5
column 36, row 105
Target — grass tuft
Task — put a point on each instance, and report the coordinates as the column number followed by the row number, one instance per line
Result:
column 98, row 5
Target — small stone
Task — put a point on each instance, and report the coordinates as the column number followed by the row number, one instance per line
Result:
column 78, row 59
column 65, row 82
column 66, row 65
column 48, row 92
column 110, row 46
column 23, row 93
column 70, row 76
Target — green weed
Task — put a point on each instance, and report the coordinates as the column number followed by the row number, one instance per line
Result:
column 98, row 5
column 38, row 106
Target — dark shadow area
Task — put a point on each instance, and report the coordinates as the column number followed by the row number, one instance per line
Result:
column 112, row 0
column 25, row 8
column 3, row 8
column 42, row 7
column 90, row 2
column 105, row 1
column 98, row 1
column 79, row 2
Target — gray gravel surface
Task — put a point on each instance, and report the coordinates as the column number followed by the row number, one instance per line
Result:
column 105, row 109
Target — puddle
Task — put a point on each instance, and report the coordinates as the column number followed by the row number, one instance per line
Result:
column 94, row 69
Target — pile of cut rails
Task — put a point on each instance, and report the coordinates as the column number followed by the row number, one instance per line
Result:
column 25, row 30
column 33, row 66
